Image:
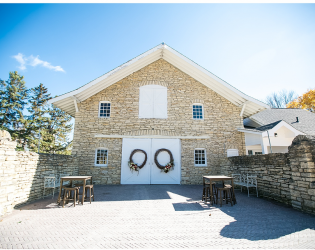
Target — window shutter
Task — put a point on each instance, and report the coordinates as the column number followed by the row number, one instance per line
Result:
column 146, row 103
column 160, row 103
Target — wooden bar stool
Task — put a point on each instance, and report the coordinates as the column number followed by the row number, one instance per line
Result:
column 206, row 192
column 90, row 187
column 231, row 191
column 62, row 193
column 67, row 195
column 226, row 195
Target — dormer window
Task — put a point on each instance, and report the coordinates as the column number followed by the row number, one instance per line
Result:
column 197, row 111
column 104, row 109
column 153, row 102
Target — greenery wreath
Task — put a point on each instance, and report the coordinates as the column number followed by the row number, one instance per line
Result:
column 133, row 166
column 169, row 165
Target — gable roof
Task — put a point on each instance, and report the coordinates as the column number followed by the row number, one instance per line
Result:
column 271, row 128
column 67, row 102
column 268, row 126
column 268, row 116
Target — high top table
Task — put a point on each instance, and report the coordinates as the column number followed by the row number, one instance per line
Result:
column 74, row 178
column 222, row 178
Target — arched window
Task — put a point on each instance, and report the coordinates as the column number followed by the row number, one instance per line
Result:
column 153, row 102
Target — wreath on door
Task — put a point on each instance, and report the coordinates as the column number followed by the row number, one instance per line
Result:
column 133, row 166
column 169, row 166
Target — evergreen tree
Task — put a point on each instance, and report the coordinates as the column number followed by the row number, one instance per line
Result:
column 45, row 124
column 54, row 136
column 38, row 118
column 14, row 94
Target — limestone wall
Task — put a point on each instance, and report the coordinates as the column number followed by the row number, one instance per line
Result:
column 221, row 120
column 22, row 174
column 287, row 178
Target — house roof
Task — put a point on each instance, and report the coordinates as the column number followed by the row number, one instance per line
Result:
column 68, row 101
column 268, row 126
column 271, row 128
column 270, row 116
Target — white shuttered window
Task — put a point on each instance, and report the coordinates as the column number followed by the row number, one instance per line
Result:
column 153, row 102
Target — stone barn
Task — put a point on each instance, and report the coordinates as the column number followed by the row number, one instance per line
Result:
column 160, row 118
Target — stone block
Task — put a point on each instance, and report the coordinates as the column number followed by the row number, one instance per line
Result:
column 308, row 175
column 311, row 191
column 309, row 164
column 10, row 158
column 296, row 204
column 295, row 193
column 309, row 203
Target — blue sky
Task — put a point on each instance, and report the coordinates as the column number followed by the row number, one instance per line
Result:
column 257, row 48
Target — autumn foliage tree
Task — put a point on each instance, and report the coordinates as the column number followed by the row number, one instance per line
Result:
column 306, row 101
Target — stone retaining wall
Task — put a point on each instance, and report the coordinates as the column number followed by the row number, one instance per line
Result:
column 287, row 178
column 22, row 174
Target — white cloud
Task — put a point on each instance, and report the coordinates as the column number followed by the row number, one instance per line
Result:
column 34, row 61
column 20, row 59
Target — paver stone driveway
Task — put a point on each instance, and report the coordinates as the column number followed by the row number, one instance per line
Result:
column 156, row 216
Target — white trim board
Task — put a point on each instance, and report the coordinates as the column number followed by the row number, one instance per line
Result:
column 173, row 57
column 152, row 136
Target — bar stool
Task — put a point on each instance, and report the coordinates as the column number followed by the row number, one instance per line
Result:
column 206, row 192
column 62, row 193
column 90, row 187
column 67, row 195
column 226, row 195
column 232, row 193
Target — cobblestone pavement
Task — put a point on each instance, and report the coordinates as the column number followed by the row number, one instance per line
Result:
column 157, row 216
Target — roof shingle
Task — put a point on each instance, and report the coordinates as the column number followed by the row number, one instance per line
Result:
column 305, row 124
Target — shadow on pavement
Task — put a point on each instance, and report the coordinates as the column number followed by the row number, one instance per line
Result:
column 260, row 219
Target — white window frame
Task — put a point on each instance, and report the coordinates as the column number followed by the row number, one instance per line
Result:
column 99, row 109
column 202, row 109
column 100, row 165
column 200, row 165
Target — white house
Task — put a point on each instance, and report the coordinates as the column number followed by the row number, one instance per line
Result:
column 272, row 130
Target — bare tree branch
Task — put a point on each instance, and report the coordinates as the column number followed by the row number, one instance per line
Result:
column 281, row 99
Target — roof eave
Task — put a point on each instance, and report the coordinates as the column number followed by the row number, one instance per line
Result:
column 178, row 60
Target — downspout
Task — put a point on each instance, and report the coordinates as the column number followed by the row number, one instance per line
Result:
column 241, row 115
column 75, row 100
column 243, row 109
column 269, row 142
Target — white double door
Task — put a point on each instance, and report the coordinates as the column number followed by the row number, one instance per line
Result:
column 150, row 173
